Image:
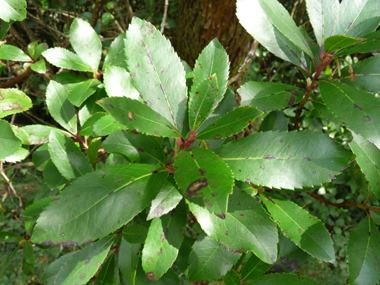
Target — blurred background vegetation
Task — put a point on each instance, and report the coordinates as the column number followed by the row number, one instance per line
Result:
column 190, row 25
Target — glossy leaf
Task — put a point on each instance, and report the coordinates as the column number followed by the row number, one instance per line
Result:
column 64, row 58
column 229, row 124
column 60, row 107
column 322, row 110
column 269, row 96
column 119, row 83
column 93, row 150
column 138, row 117
column 367, row 72
column 167, row 199
column 9, row 142
column 202, row 100
column 35, row 49
column 52, row 177
column 285, row 160
column 246, row 227
column 40, row 157
column 156, row 71
column 357, row 109
column 86, row 43
column 163, row 242
column 305, row 230
column 72, row 223
column 21, row 134
column 135, row 147
column 36, row 208
column 78, row 267
column 12, row 10
column 106, row 274
column 13, row 101
column 283, row 278
column 254, row 268
column 100, row 124
column 212, row 60
column 81, row 91
column 274, row 121
column 368, row 158
column 129, row 256
column 19, row 155
column 116, row 55
column 39, row 66
column 324, row 15
column 339, row 41
column 231, row 278
column 39, row 134
column 201, row 173
column 253, row 18
column 210, row 259
column 89, row 107
column 363, row 253
column 67, row 157
column 370, row 43
column 135, row 234
column 9, row 52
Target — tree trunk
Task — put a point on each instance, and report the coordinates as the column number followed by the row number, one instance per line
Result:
column 200, row 21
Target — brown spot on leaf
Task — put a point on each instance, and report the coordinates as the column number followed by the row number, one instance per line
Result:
column 150, row 276
column 367, row 119
column 202, row 172
column 222, row 216
column 195, row 186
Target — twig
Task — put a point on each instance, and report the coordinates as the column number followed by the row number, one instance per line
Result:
column 344, row 204
column 164, row 17
column 38, row 21
column 17, row 79
column 243, row 69
column 129, row 12
column 9, row 183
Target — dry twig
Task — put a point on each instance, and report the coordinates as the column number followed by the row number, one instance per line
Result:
column 165, row 15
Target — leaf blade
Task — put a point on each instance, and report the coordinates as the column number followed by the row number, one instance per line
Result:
column 13, row 101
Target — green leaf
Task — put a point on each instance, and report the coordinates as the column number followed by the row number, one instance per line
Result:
column 246, row 227
column 363, row 253
column 322, row 110
column 64, row 58
column 36, row 208
column 19, row 155
column 81, row 91
column 67, row 157
column 135, row 234
column 357, row 109
column 357, row 18
column 212, row 60
column 167, row 199
column 274, row 121
column 39, row 134
column 100, row 124
column 229, row 124
column 324, row 15
column 367, row 74
column 106, row 274
column 253, row 18
column 13, row 101
column 10, row 237
column 163, row 242
column 210, row 259
column 182, row 261
column 129, row 256
column 202, row 100
column 12, row 10
column 334, row 43
column 79, row 266
column 254, row 268
column 6, row 261
column 36, row 49
column 40, row 157
column 283, row 278
column 269, row 96
column 93, row 150
column 138, row 117
column 369, row 44
column 39, row 66
column 368, row 158
column 9, row 142
column 285, row 160
column 52, row 177
column 89, row 107
column 116, row 55
column 8, row 52
column 4, row 27
column 135, row 147
column 60, row 107
column 231, row 278
column 86, row 43
column 28, row 252
column 156, row 71
column 201, row 173
column 305, row 230
column 169, row 278
column 136, row 183
column 119, row 83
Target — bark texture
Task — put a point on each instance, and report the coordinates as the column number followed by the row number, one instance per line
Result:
column 200, row 21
